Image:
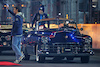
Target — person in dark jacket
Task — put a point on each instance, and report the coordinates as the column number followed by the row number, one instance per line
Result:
column 17, row 32
column 40, row 15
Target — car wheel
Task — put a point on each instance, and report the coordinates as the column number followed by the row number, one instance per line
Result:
column 70, row 58
column 27, row 57
column 40, row 59
column 85, row 59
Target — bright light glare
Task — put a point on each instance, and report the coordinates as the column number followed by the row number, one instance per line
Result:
column 94, row 6
column 67, row 22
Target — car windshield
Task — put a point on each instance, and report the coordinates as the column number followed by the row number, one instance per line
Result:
column 55, row 24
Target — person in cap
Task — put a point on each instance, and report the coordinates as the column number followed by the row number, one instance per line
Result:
column 38, row 16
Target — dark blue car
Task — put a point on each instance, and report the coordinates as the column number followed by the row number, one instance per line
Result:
column 61, row 40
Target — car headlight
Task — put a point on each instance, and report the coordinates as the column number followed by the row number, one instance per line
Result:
column 86, row 47
column 4, row 43
column 87, row 40
column 8, row 37
column 45, row 47
column 44, row 39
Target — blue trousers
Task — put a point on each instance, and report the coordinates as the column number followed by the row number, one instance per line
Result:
column 16, row 46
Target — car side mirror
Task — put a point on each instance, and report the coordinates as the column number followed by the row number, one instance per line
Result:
column 81, row 29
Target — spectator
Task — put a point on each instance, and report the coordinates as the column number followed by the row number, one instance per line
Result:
column 39, row 15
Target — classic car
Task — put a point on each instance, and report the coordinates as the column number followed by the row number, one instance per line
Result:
column 60, row 39
column 5, row 36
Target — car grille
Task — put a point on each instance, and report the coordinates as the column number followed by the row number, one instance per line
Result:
column 63, row 48
column 5, row 40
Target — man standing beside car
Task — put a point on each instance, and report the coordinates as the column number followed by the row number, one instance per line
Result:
column 17, row 32
column 40, row 15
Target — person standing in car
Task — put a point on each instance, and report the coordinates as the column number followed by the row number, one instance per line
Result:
column 38, row 16
column 17, row 32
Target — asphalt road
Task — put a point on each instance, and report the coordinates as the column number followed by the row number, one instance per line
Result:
column 94, row 62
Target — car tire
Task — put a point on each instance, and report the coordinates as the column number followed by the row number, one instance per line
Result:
column 40, row 59
column 27, row 57
column 85, row 59
column 70, row 58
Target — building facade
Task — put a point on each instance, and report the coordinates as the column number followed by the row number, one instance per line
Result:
column 82, row 11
